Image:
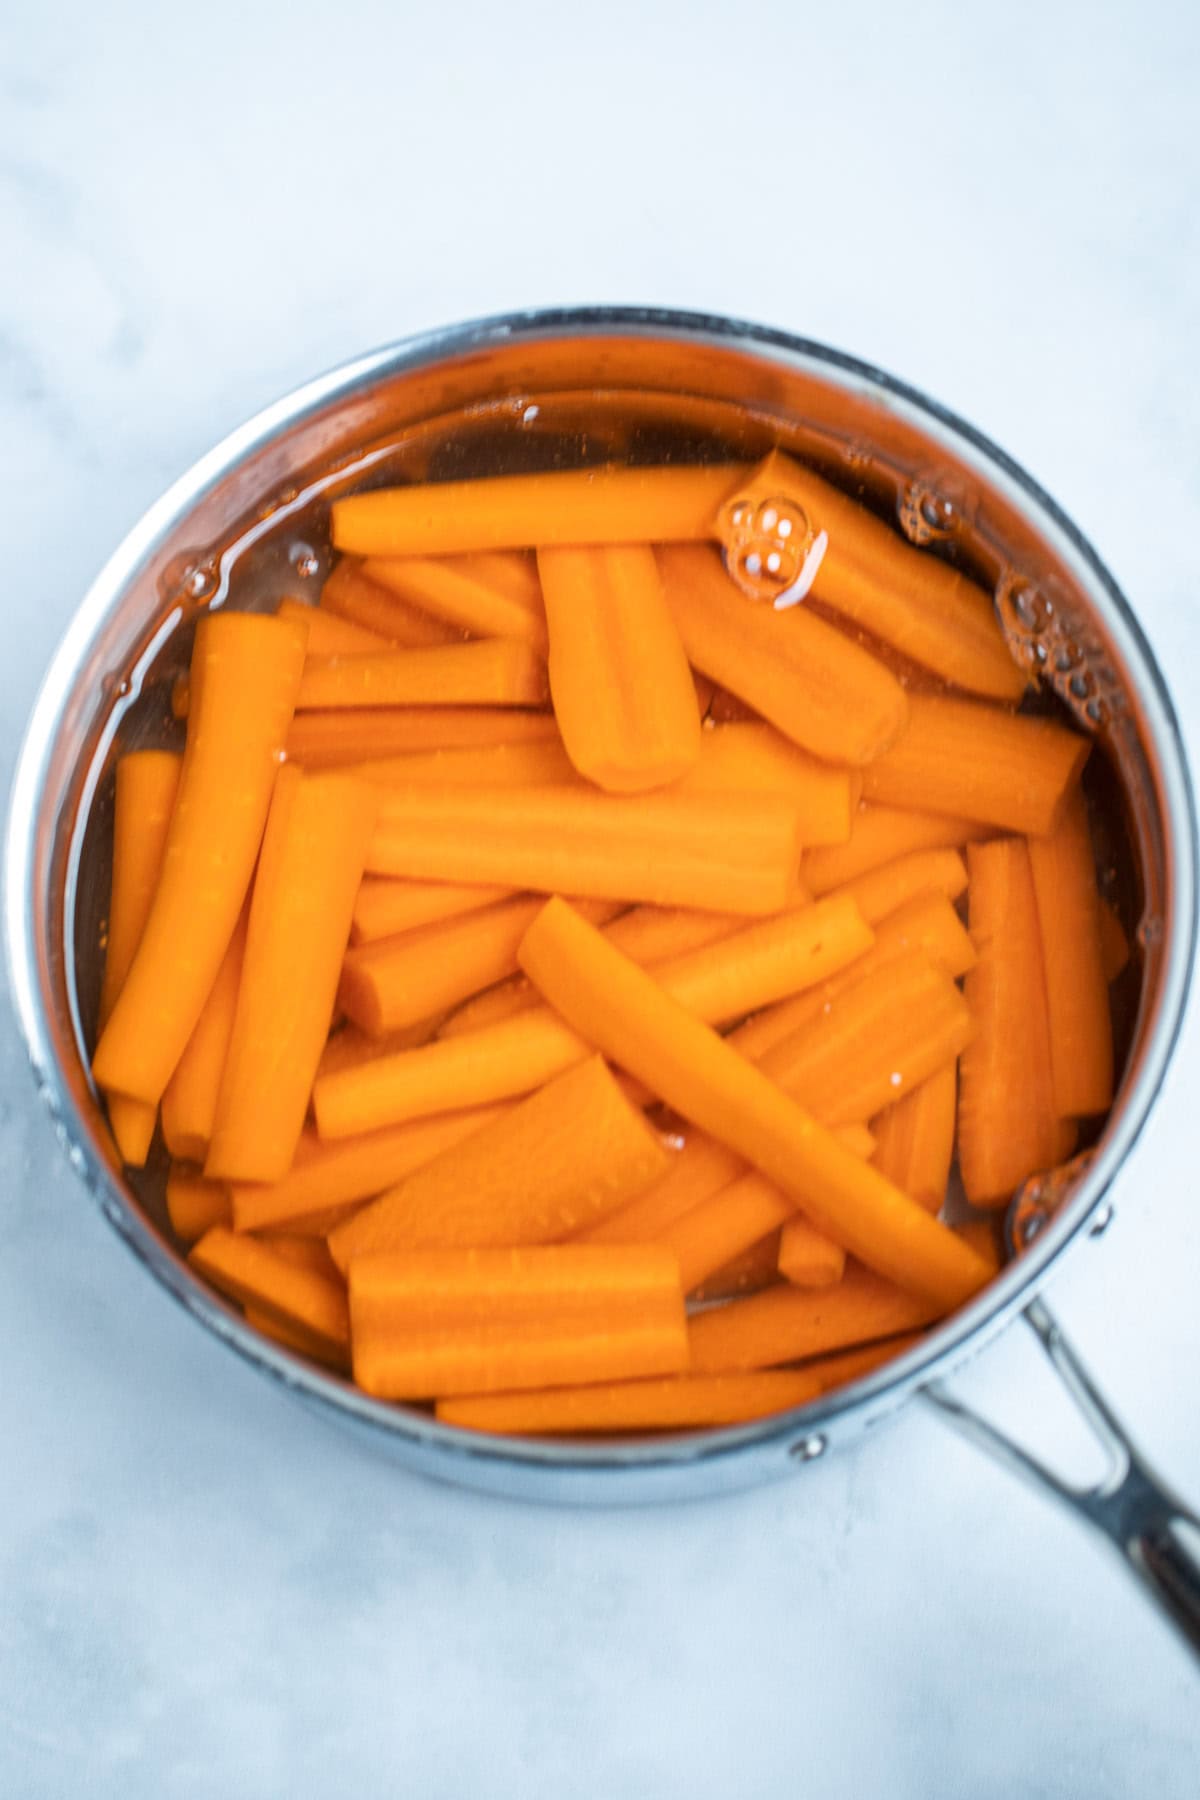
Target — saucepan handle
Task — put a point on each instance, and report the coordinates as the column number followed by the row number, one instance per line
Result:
column 1156, row 1534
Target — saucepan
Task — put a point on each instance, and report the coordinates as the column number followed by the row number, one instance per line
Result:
column 645, row 386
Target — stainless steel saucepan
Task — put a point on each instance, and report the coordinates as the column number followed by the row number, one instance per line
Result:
column 645, row 385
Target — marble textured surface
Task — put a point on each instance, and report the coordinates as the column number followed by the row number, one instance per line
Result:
column 203, row 1591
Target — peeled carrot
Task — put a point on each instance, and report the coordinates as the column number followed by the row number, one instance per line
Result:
column 1071, row 926
column 245, row 676
column 619, row 678
column 755, row 1269
column 724, row 853
column 388, row 904
column 720, row 981
column 984, row 1237
column 701, row 1168
column 496, row 672
column 606, row 505
column 194, row 1205
column 756, row 758
column 189, row 1104
column 350, row 594
column 668, row 1403
column 345, row 737
column 265, row 1278
column 1006, row 1117
column 979, row 762
column 878, row 837
column 537, row 763
column 433, row 1322
column 309, row 871
column 807, row 1258
column 349, row 1048
column 465, row 595
column 630, row 1017
column 294, row 1337
column 399, row 980
column 724, row 1225
column 915, row 1138
column 821, row 690
column 327, row 634
column 882, row 890
column 147, row 782
column 786, row 1324
column 543, row 1170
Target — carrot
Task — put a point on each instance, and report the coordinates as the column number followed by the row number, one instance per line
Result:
column 915, row 1138
column 265, row 1278
column 245, row 675
column 753, row 758
column 879, row 836
column 978, row 762
column 189, row 1104
column 606, row 505
column 147, row 782
column 927, row 610
column 665, row 1403
column 327, row 634
column 497, row 672
column 343, row 738
column 984, row 1237
column 332, row 1177
column 807, row 1258
column 755, row 1269
column 534, row 764
column 630, row 1017
column 349, row 1048
column 1070, row 922
column 1113, row 942
column 464, row 596
column 302, row 1252
column 399, row 980
column 1006, row 1118
column 543, row 1170
column 786, row 1324
column 820, row 689
column 702, row 1167
column 294, row 1337
column 724, row 853
column 619, row 678
column 350, row 594
column 724, row 1225
column 388, row 904
column 194, row 1205
column 309, row 871
column 720, row 981
column 882, row 890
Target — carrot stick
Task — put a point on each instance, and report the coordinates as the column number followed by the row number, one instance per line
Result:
column 619, row 679
column 497, row 672
column 878, row 837
column 399, row 980
column 666, row 1403
column 245, row 675
column 533, row 764
column 786, row 1324
column 194, row 1205
column 915, row 1138
column 756, row 758
column 724, row 1225
column 328, row 1177
column 630, row 1017
column 977, row 762
column 720, row 981
column 350, row 1048
column 607, row 505
column 341, row 739
column 294, row 1337
column 1069, row 919
column 927, row 610
column 985, row 1238
column 543, row 1170
column 147, row 782
column 388, row 904
column 1113, row 942
column 1006, row 1118
column 723, row 853
column 703, row 1167
column 807, row 1258
column 463, row 596
column 820, row 689
column 309, row 871
column 352, row 595
column 327, row 634
column 189, row 1105
column 433, row 1322
column 265, row 1278
column 755, row 1269
column 302, row 1252
column 882, row 890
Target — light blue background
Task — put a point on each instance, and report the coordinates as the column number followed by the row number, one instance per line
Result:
column 204, row 1592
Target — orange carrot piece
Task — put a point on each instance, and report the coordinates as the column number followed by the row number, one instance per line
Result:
column 388, row 904
column 979, row 762
column 351, row 595
column 327, row 1177
column 534, row 764
column 607, row 505
column 915, row 1138
column 878, row 837
column 724, row 853
column 1069, row 919
column 619, row 678
column 189, row 1105
column 303, row 1252
column 724, row 1225
column 703, row 1167
column 821, row 690
column 294, row 1337
column 344, row 738
column 327, row 634
column 263, row 1277
column 495, row 672
column 720, row 981
column 543, row 1170
column 985, row 1238
column 349, row 1048
column 755, row 758
column 432, row 1322
column 786, row 1324
column 637, row 1022
column 245, row 675
column 807, row 1258
column 399, row 980
column 755, row 1269
column 311, row 865
column 194, row 1205
column 464, row 596
column 668, row 1403
column 1006, row 1116
column 882, row 890
column 147, row 782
